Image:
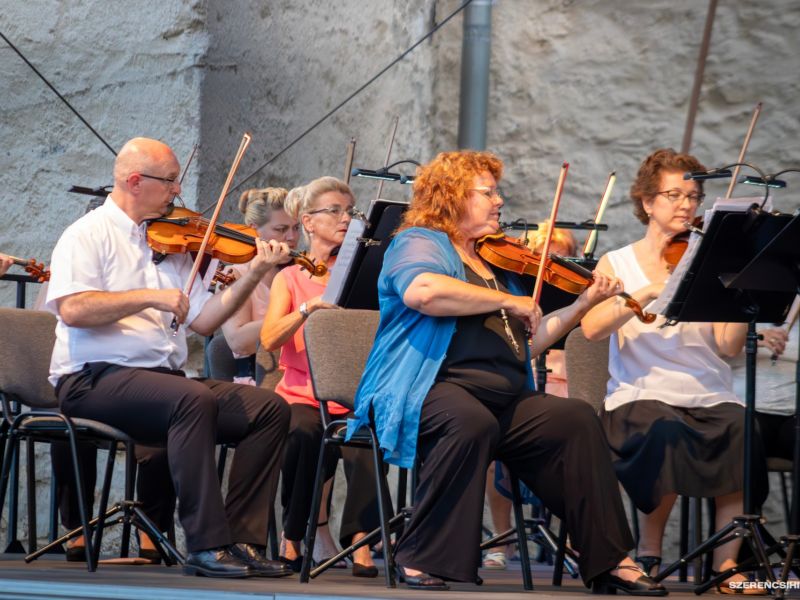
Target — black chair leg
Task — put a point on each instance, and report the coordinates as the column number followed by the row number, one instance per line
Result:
column 272, row 534
column 31, row 494
column 91, row 562
column 5, row 473
column 522, row 536
column 388, row 559
column 130, row 481
column 112, row 451
column 313, row 518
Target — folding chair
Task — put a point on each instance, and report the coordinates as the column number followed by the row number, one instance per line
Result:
column 26, row 343
column 338, row 343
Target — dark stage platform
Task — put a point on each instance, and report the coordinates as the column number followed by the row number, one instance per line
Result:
column 53, row 578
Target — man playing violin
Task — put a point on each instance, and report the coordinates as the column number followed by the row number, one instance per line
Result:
column 449, row 382
column 117, row 360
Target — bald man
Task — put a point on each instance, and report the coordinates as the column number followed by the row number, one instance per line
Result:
column 116, row 360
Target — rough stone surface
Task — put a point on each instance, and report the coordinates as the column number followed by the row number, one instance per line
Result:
column 599, row 84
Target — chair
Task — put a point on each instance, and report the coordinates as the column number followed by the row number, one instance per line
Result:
column 23, row 378
column 221, row 364
column 338, row 343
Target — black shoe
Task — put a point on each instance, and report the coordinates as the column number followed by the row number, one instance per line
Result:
column 295, row 564
column 360, row 570
column 649, row 563
column 262, row 567
column 606, row 583
column 75, row 553
column 217, row 562
column 423, row 581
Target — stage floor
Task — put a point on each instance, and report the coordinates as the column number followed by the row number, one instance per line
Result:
column 52, row 577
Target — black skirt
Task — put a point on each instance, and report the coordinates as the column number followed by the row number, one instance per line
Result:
column 658, row 449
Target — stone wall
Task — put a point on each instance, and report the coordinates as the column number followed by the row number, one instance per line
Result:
column 599, row 84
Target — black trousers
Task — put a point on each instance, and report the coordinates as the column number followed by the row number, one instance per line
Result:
column 160, row 407
column 360, row 512
column 555, row 445
column 154, row 487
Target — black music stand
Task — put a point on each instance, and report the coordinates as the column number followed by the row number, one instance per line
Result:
column 359, row 288
column 746, row 269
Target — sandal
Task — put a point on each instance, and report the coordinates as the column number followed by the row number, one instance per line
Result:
column 496, row 561
column 648, row 563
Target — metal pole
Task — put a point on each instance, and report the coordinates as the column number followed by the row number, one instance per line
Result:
column 475, row 54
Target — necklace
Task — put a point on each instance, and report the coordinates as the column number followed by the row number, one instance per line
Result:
column 503, row 315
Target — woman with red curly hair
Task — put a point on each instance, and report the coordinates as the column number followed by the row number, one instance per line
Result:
column 449, row 382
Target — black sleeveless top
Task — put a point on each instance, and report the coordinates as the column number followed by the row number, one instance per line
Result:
column 481, row 357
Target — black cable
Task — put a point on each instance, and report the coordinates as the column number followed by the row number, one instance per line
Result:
column 56, row 92
column 350, row 97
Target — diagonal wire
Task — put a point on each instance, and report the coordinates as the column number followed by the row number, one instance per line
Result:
column 350, row 97
column 57, row 93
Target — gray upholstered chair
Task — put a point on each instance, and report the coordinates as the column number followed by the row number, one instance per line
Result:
column 219, row 357
column 26, row 343
column 338, row 343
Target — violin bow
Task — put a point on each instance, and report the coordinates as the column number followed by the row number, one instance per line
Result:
column 537, row 288
column 591, row 241
column 348, row 161
column 212, row 222
column 743, row 151
column 388, row 154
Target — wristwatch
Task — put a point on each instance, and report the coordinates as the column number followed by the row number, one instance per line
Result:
column 303, row 309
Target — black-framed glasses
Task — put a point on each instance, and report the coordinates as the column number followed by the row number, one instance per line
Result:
column 335, row 211
column 676, row 196
column 167, row 180
column 489, row 192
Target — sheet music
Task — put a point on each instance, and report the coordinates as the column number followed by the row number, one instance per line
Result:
column 659, row 305
column 347, row 251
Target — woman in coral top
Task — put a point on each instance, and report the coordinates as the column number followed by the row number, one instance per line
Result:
column 324, row 211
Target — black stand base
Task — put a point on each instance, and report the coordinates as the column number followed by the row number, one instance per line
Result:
column 747, row 527
column 129, row 513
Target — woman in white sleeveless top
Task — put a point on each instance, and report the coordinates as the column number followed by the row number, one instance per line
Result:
column 672, row 420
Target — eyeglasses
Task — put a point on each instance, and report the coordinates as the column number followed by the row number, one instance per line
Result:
column 676, row 196
column 335, row 211
column 167, row 180
column 488, row 192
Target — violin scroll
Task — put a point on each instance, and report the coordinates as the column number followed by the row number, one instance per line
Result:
column 35, row 269
column 308, row 263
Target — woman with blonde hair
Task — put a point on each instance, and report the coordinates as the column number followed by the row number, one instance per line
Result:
column 263, row 210
column 324, row 207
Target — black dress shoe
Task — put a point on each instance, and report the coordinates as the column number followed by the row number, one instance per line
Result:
column 216, row 562
column 75, row 553
column 262, row 567
column 606, row 583
column 360, row 570
column 423, row 581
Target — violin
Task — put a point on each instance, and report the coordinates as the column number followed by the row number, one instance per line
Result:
column 677, row 245
column 511, row 254
column 183, row 231
column 37, row 270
